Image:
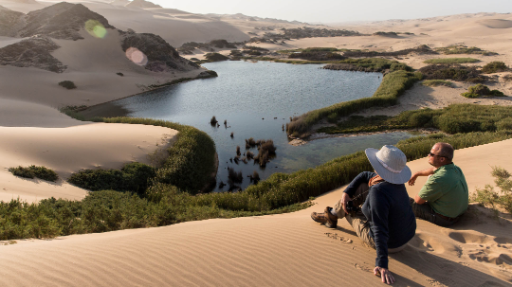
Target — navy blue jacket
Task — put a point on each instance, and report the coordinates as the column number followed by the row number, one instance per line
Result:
column 389, row 213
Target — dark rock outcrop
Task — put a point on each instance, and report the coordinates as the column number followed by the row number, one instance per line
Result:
column 60, row 21
column 161, row 57
column 34, row 52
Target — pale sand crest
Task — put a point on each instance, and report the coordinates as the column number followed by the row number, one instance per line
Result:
column 288, row 249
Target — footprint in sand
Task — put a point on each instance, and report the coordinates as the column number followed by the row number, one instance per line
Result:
column 335, row 236
column 486, row 249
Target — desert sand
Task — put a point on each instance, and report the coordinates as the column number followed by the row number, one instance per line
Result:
column 286, row 249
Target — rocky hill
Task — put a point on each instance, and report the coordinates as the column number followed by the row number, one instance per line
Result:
column 60, row 21
column 161, row 57
column 65, row 21
column 33, row 52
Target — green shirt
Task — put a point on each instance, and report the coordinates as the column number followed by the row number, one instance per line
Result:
column 446, row 191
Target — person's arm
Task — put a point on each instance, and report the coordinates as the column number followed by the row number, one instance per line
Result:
column 379, row 208
column 419, row 200
column 348, row 193
column 425, row 172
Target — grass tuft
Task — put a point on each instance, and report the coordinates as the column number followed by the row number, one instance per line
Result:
column 452, row 61
column 437, row 83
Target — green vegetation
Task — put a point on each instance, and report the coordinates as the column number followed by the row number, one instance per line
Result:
column 164, row 204
column 393, row 85
column 33, row 171
column 480, row 90
column 494, row 67
column 462, row 118
column 436, row 83
column 489, row 197
column 68, row 85
column 452, row 61
column 190, row 160
column 134, row 177
column 462, row 49
column 453, row 72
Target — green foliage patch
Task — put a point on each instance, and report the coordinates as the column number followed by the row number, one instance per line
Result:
column 453, row 72
column 461, row 118
column 463, row 49
column 33, row 171
column 452, row 61
column 437, row 83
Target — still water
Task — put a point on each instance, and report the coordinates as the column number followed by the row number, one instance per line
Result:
column 257, row 99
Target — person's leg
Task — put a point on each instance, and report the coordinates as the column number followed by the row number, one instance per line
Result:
column 424, row 211
column 362, row 228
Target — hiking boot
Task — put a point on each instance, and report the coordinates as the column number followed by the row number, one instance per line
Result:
column 319, row 217
column 332, row 220
column 325, row 218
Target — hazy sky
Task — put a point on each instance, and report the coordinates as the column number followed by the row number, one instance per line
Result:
column 328, row 11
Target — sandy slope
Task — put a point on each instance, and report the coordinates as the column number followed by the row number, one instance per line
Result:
column 279, row 250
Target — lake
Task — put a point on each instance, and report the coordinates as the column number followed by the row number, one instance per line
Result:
column 257, row 99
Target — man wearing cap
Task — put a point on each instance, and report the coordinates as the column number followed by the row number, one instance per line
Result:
column 444, row 197
column 385, row 220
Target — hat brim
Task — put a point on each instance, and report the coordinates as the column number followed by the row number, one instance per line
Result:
column 391, row 177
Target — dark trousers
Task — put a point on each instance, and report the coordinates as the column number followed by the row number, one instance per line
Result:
column 424, row 211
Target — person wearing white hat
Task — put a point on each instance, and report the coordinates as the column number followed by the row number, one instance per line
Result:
column 385, row 220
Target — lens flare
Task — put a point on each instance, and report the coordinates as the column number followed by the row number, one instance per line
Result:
column 95, row 29
column 136, row 56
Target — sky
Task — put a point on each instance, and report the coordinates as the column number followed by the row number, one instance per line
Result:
column 336, row 11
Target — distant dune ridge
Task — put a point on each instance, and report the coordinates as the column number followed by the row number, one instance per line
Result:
column 496, row 23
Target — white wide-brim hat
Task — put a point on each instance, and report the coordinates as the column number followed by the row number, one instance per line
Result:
column 390, row 163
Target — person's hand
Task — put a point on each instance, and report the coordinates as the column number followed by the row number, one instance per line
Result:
column 412, row 180
column 384, row 274
column 344, row 199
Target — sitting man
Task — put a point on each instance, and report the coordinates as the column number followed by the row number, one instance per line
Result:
column 444, row 197
column 385, row 221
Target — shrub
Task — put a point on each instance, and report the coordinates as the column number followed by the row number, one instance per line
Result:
column 452, row 61
column 120, row 74
column 497, row 93
column 436, row 83
column 452, row 72
column 68, row 85
column 469, row 95
column 134, row 177
column 478, row 90
column 488, row 196
column 504, row 124
column 494, row 67
column 33, row 171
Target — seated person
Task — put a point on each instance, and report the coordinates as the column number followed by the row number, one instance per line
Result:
column 444, row 197
column 385, row 220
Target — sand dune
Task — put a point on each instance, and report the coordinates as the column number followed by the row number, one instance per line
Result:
column 497, row 23
column 287, row 249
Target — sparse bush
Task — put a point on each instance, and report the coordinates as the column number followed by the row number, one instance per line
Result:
column 488, row 196
column 68, row 85
column 234, row 177
column 436, row 83
column 477, row 91
column 120, row 74
column 33, row 171
column 469, row 95
column 507, row 77
column 494, row 67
